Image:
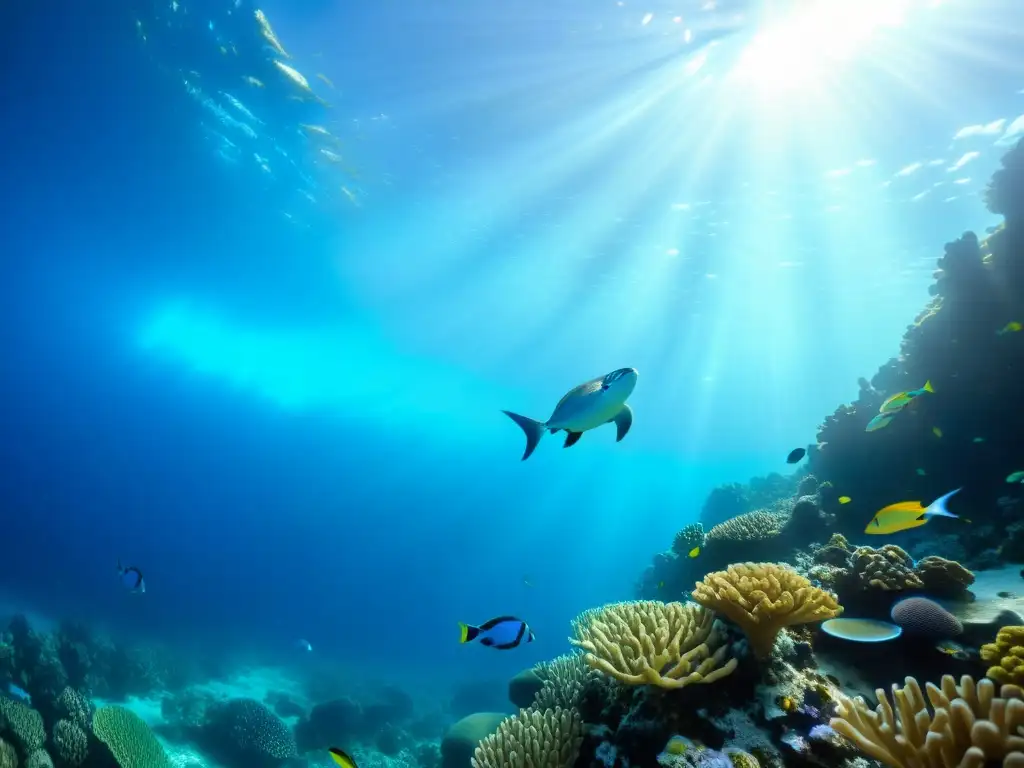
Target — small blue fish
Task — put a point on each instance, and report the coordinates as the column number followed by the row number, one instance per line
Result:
column 502, row 633
column 19, row 693
column 304, row 645
column 131, row 578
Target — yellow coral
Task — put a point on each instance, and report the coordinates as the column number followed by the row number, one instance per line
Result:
column 541, row 739
column 762, row 598
column 741, row 759
column 648, row 642
column 752, row 526
column 968, row 726
column 1006, row 655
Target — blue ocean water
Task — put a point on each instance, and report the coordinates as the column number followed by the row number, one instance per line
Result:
column 274, row 381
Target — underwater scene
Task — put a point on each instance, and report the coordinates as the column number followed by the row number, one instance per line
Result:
column 529, row 384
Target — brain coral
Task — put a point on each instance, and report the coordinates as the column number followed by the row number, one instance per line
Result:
column 23, row 725
column 246, row 732
column 541, row 739
column 967, row 726
column 921, row 616
column 648, row 642
column 1006, row 655
column 762, row 598
column 129, row 739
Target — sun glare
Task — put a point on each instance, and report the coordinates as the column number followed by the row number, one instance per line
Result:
column 799, row 49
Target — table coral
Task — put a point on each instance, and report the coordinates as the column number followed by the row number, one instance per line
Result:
column 753, row 526
column 129, row 739
column 762, row 598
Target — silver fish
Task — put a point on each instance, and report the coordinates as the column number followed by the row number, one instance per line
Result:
column 588, row 406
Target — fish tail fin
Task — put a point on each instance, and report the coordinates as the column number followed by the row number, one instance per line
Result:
column 534, row 431
column 938, row 507
column 928, row 386
column 467, row 632
column 120, row 568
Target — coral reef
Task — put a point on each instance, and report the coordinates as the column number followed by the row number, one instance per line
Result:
column 22, row 725
column 128, row 738
column 687, row 539
column 563, row 681
column 1006, row 656
column 762, row 598
column 967, row 725
column 245, row 732
column 70, row 743
column 921, row 616
column 647, row 642
column 545, row 739
column 888, row 568
column 865, row 578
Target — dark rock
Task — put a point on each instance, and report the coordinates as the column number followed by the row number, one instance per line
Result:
column 523, row 688
column 462, row 738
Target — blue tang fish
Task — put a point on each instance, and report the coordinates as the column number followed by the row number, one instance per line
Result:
column 588, row 406
column 131, row 578
column 503, row 633
column 19, row 693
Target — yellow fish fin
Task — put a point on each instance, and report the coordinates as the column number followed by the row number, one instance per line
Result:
column 342, row 758
column 928, row 386
column 463, row 632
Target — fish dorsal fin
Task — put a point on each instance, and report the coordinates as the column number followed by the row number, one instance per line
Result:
column 492, row 623
column 589, row 387
column 571, row 438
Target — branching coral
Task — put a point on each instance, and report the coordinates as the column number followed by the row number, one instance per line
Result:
column 1006, row 655
column 539, row 739
column 563, row 681
column 669, row 645
column 967, row 726
column 75, row 707
column 8, row 755
column 130, row 741
column 70, row 743
column 753, row 526
column 687, row 538
column 762, row 598
column 23, row 725
column 889, row 568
